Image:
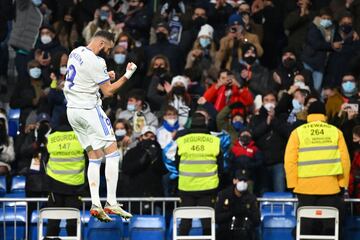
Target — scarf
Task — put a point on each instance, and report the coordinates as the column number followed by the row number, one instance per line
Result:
column 170, row 128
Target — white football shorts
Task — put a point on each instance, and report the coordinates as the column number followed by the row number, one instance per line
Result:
column 92, row 127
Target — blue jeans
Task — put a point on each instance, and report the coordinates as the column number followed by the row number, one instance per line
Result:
column 317, row 77
column 277, row 177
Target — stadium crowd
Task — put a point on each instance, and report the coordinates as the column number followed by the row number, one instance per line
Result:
column 252, row 67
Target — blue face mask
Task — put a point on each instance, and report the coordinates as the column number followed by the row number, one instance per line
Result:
column 325, row 23
column 131, row 107
column 238, row 126
column 37, row 2
column 35, row 72
column 296, row 104
column 348, row 87
column 119, row 58
column 204, row 42
column 104, row 15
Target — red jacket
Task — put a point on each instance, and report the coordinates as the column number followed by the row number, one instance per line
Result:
column 248, row 151
column 218, row 98
column 355, row 171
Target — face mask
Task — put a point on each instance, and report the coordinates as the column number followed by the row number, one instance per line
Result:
column 178, row 90
column 35, row 72
column 245, row 139
column 289, row 63
column 104, row 15
column 241, row 186
column 300, row 84
column 171, row 122
column 269, row 106
column 161, row 37
column 119, row 58
column 120, row 134
column 325, row 23
column 346, row 28
column 131, row 107
column 238, row 125
column 199, row 21
column 159, row 71
column 123, row 44
column 45, row 39
column 63, row 70
column 250, row 60
column 348, row 87
column 37, row 2
column 296, row 104
column 204, row 42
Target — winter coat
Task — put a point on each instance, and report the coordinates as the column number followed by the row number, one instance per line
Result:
column 7, row 154
column 323, row 185
column 246, row 157
column 354, row 182
column 26, row 25
column 137, row 24
column 57, row 104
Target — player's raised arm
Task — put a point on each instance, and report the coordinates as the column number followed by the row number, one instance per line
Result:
column 109, row 89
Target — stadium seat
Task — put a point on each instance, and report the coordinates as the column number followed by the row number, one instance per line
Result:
column 17, row 184
column 13, row 122
column 278, row 227
column 268, row 208
column 11, row 219
column 352, row 228
column 106, row 231
column 147, row 227
column 196, row 228
column 2, row 186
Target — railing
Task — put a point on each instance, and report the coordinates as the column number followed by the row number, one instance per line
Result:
column 16, row 203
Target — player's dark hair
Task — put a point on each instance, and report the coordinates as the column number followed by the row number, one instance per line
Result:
column 105, row 34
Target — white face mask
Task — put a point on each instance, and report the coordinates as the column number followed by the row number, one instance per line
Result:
column 63, row 70
column 241, row 186
column 171, row 122
column 300, row 84
column 269, row 106
column 120, row 132
column 45, row 39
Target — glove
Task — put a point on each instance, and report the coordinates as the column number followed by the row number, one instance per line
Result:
column 130, row 69
column 236, row 105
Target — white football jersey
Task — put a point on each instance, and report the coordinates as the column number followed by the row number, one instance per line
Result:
column 85, row 72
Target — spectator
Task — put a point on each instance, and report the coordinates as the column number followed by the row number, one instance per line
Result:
column 7, row 154
column 349, row 88
column 29, row 95
column 158, row 80
column 354, row 182
column 250, row 25
column 350, row 48
column 266, row 130
column 319, row 43
column 137, row 21
column 24, row 33
column 165, row 136
column 354, row 7
column 237, row 212
column 218, row 13
column 290, row 66
column 103, row 20
column 163, row 47
column 252, row 73
column 233, row 41
column 297, row 23
column 138, row 113
column 227, row 90
column 142, row 164
column 333, row 103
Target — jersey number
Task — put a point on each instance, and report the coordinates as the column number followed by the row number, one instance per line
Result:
column 70, row 75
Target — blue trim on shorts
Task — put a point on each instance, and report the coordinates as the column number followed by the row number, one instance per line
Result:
column 103, row 124
column 114, row 154
column 95, row 161
column 104, row 81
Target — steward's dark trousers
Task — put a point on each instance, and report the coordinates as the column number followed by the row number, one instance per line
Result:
column 61, row 200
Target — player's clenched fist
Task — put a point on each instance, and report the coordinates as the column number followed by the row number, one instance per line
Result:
column 130, row 69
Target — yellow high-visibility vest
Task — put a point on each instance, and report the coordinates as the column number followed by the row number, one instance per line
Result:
column 67, row 162
column 198, row 170
column 319, row 153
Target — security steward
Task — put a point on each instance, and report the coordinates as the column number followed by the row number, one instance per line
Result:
column 199, row 154
column 317, row 166
column 237, row 212
column 66, row 174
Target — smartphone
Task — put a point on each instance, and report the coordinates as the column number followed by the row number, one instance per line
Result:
column 352, row 106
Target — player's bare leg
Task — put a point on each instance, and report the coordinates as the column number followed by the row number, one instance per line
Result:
column 111, row 173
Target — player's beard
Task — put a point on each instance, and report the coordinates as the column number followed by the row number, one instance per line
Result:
column 103, row 54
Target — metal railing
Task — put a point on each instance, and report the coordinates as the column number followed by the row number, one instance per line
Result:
column 20, row 203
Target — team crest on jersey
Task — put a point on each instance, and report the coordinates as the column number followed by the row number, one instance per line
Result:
column 105, row 70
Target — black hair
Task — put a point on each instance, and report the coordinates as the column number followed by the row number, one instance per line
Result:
column 269, row 93
column 228, row 72
column 138, row 94
column 326, row 11
column 356, row 130
column 105, row 34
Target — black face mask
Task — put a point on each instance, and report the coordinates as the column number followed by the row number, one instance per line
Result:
column 159, row 71
column 161, row 37
column 179, row 90
column 103, row 54
column 250, row 60
column 346, row 28
column 199, row 21
column 245, row 139
column 289, row 63
column 119, row 138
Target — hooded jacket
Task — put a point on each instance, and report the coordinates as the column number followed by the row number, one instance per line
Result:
column 7, row 154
